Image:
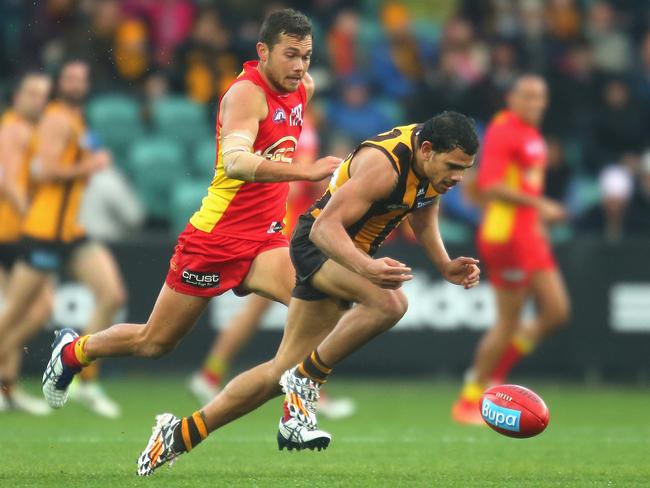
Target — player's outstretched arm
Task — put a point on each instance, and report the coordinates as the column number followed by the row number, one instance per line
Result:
column 242, row 109
column 460, row 271
column 373, row 178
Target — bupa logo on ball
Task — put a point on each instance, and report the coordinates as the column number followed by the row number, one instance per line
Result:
column 501, row 417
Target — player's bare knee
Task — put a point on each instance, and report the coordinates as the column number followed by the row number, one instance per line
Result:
column 150, row 346
column 155, row 350
column 558, row 315
column 114, row 299
column 392, row 307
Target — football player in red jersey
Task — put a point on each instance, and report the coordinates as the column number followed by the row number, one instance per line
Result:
column 234, row 241
column 512, row 242
column 206, row 383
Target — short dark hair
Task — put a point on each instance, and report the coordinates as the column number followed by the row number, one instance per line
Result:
column 286, row 21
column 448, row 131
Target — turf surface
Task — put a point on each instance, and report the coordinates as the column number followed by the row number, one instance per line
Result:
column 402, row 436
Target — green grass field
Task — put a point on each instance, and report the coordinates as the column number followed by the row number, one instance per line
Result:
column 402, row 436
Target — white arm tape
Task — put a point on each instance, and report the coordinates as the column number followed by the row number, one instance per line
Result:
column 238, row 158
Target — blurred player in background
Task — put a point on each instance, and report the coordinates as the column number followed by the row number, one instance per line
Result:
column 234, row 241
column 61, row 163
column 512, row 242
column 206, row 383
column 16, row 143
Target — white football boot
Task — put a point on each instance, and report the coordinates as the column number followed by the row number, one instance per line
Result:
column 336, row 408
column 202, row 389
column 22, row 401
column 298, row 427
column 57, row 376
column 92, row 396
column 159, row 448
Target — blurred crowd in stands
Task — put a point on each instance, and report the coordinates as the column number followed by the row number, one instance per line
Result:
column 376, row 64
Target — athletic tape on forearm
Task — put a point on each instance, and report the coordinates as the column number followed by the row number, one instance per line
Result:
column 238, row 158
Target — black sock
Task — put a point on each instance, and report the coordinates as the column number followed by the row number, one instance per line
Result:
column 313, row 367
column 189, row 432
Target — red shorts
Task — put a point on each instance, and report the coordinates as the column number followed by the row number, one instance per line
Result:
column 207, row 265
column 511, row 264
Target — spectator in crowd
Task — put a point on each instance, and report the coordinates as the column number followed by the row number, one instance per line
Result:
column 132, row 50
column 608, row 218
column 342, row 43
column 618, row 127
column 558, row 175
column 563, row 19
column 612, row 50
column 486, row 97
column 639, row 211
column 397, row 58
column 169, row 21
column 535, row 44
column 206, row 63
column 575, row 92
column 111, row 210
column 642, row 73
column 355, row 113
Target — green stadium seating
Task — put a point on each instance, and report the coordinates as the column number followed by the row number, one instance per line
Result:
column 156, row 165
column 203, row 159
column 116, row 120
column 186, row 199
column 180, row 119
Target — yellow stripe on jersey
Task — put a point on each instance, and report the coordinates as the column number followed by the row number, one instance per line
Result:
column 499, row 220
column 221, row 193
column 410, row 193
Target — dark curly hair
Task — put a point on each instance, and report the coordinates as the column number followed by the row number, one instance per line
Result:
column 286, row 21
column 448, row 131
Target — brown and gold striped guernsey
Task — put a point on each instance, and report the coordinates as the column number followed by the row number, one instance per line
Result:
column 10, row 219
column 410, row 193
column 53, row 215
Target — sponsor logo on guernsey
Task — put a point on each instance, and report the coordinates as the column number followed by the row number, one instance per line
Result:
column 275, row 227
column 279, row 116
column 295, row 117
column 501, row 417
column 281, row 150
column 199, row 279
column 423, row 202
column 513, row 275
column 535, row 148
column 397, row 206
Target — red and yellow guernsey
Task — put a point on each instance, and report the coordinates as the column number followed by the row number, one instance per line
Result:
column 513, row 153
column 246, row 210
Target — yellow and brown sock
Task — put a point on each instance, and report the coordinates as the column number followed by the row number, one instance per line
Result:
column 313, row 367
column 189, row 432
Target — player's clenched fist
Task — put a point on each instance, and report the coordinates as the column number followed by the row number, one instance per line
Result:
column 323, row 168
column 387, row 273
column 462, row 271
